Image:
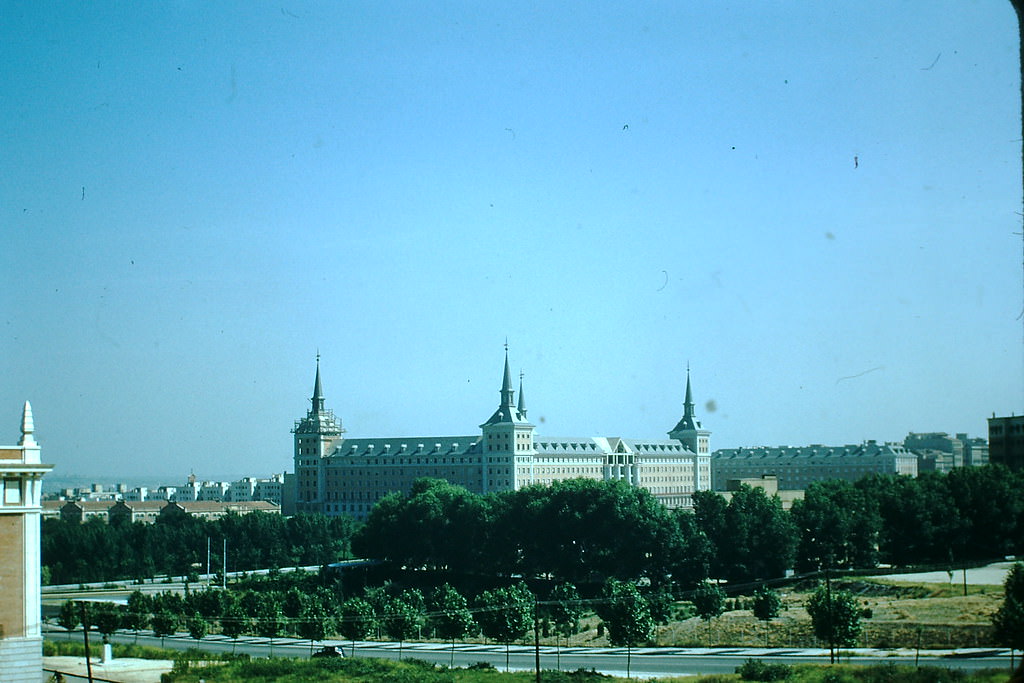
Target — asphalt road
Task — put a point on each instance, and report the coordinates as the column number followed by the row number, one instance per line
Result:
column 644, row 662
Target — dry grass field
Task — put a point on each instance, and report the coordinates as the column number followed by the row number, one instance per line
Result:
column 932, row 616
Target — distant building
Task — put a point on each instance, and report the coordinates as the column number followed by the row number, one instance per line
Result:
column 940, row 452
column 1006, row 441
column 21, row 487
column 975, row 451
column 797, row 467
column 215, row 510
column 137, row 494
column 336, row 475
column 768, row 483
column 145, row 511
column 214, row 491
column 271, row 490
column 78, row 511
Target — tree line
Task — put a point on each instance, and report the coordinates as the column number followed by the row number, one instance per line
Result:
column 586, row 531
column 177, row 545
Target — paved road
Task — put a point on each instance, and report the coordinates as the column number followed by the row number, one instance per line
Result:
column 989, row 575
column 646, row 662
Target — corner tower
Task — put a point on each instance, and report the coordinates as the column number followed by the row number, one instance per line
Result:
column 316, row 436
column 21, row 488
column 507, row 444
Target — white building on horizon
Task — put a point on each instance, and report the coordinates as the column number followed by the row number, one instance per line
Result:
column 336, row 475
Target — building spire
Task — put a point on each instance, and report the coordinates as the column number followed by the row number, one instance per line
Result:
column 27, row 426
column 522, row 400
column 318, row 392
column 688, row 422
column 688, row 401
column 506, row 384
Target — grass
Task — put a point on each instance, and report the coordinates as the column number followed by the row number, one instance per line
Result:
column 366, row 670
column 417, row 671
column 75, row 648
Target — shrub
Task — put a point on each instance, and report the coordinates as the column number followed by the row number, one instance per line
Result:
column 756, row 670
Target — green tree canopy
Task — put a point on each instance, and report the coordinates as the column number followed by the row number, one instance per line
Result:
column 198, row 627
column 1008, row 621
column 450, row 616
column 506, row 614
column 835, row 616
column 356, row 620
column 69, row 616
column 106, row 617
column 837, row 527
column 403, row 619
column 627, row 616
column 709, row 601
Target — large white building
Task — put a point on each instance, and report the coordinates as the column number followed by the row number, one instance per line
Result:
column 335, row 475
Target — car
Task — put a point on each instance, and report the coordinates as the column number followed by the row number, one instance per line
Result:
column 328, row 651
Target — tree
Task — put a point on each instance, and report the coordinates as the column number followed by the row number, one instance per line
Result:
column 627, row 615
column 269, row 621
column 313, row 624
column 402, row 620
column 164, row 623
column 107, row 618
column 356, row 620
column 661, row 600
column 835, row 616
column 506, row 614
column 450, row 616
column 837, row 527
column 136, row 615
column 767, row 604
column 757, row 539
column 564, row 609
column 68, row 617
column 233, row 623
column 198, row 627
column 1009, row 619
column 709, row 601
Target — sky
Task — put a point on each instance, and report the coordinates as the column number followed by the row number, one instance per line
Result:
column 813, row 206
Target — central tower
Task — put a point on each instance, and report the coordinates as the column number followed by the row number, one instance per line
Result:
column 507, row 438
column 689, row 432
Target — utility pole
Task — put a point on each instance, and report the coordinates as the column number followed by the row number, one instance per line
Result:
column 224, row 567
column 831, row 619
column 85, row 635
column 536, row 638
column 207, row 561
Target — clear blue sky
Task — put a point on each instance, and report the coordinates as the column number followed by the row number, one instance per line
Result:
column 814, row 204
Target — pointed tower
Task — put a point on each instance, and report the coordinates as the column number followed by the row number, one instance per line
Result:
column 21, row 488
column 691, row 434
column 522, row 400
column 316, row 437
column 507, row 439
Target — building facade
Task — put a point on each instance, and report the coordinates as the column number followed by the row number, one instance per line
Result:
column 335, row 475
column 796, row 468
column 1006, row 441
column 21, row 488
